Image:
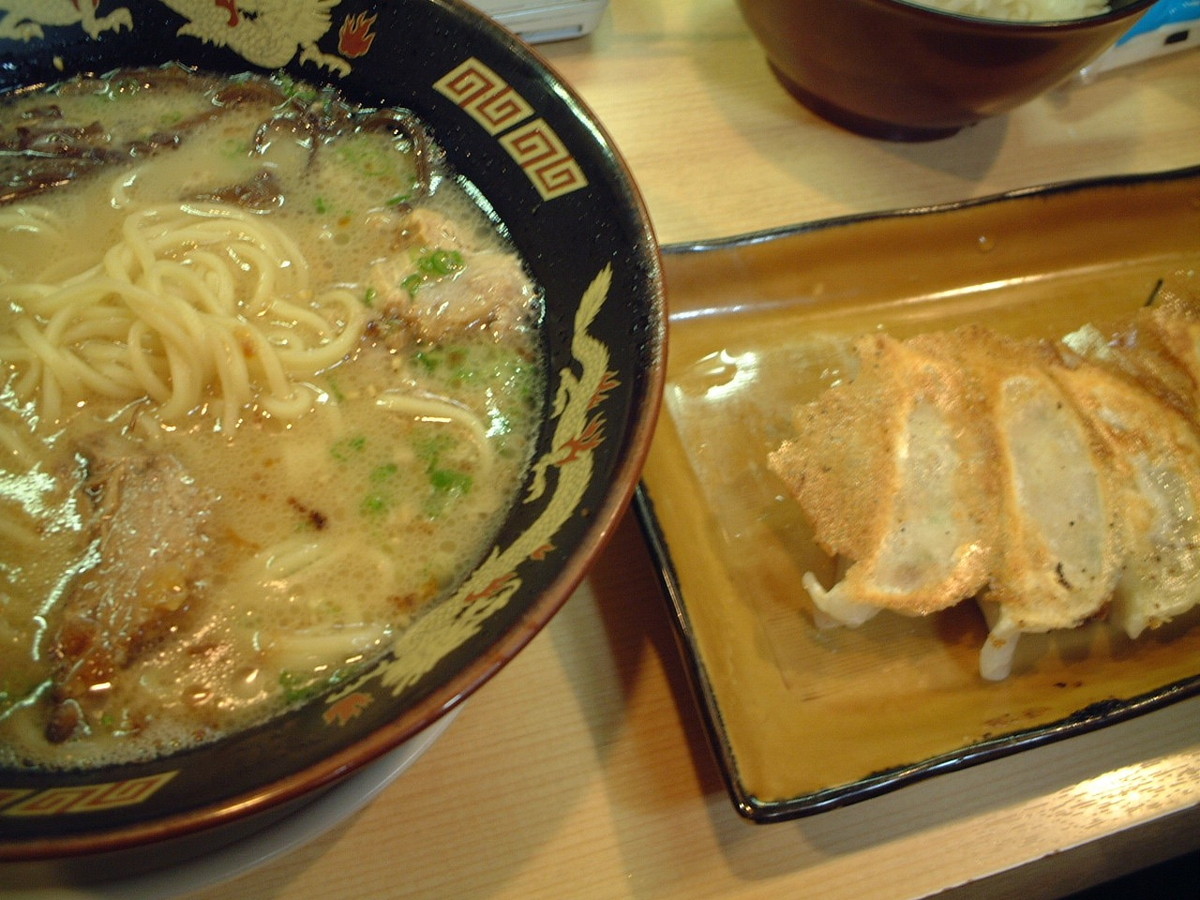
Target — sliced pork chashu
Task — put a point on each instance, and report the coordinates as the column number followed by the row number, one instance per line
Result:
column 146, row 525
column 889, row 471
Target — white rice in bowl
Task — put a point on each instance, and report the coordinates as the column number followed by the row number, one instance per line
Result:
column 1022, row 10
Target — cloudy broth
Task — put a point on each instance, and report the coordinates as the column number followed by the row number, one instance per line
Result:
column 270, row 384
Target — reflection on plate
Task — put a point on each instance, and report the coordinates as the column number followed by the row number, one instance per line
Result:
column 805, row 720
column 289, row 834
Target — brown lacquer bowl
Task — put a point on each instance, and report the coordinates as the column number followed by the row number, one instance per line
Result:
column 897, row 70
column 547, row 168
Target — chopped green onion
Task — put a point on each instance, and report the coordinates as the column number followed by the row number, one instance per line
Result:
column 299, row 686
column 384, row 472
column 374, row 504
column 334, row 391
column 412, row 283
column 346, row 448
column 432, row 265
column 440, row 262
column 295, row 90
column 430, row 449
column 450, row 482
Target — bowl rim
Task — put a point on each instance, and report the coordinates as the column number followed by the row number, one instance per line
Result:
column 1111, row 14
column 297, row 788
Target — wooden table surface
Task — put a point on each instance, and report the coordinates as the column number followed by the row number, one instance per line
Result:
column 582, row 769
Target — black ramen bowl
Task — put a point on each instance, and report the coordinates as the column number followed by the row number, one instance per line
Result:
column 543, row 163
column 900, row 70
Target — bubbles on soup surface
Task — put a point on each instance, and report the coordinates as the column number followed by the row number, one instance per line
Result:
column 270, row 384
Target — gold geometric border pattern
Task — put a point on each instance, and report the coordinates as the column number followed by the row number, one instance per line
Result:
column 9, row 795
column 547, row 163
column 498, row 108
column 84, row 798
column 484, row 96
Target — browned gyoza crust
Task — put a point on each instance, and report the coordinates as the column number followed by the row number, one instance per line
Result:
column 1048, row 479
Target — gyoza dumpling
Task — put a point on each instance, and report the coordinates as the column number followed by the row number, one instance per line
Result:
column 1060, row 548
column 1053, row 482
column 889, row 472
column 1173, row 330
column 1157, row 455
column 1159, row 351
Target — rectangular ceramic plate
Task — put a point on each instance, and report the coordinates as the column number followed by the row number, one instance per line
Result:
column 804, row 719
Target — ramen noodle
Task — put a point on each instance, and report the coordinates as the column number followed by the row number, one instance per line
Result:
column 270, row 381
